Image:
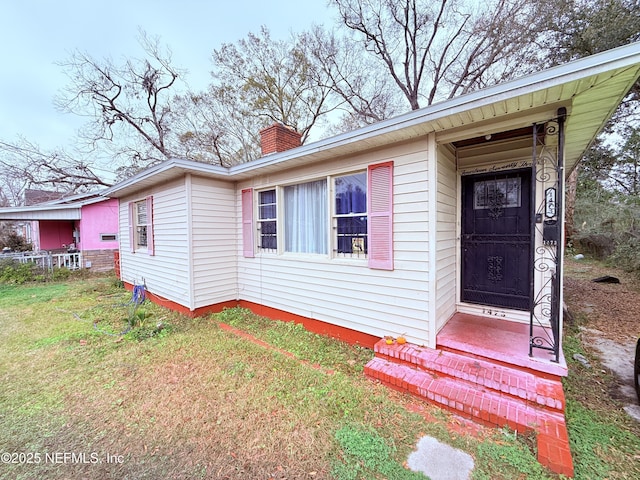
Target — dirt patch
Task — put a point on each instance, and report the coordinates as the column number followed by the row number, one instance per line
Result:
column 608, row 317
column 613, row 309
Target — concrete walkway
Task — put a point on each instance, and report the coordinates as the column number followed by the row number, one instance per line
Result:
column 440, row 461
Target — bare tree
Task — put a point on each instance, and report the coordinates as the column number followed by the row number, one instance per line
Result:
column 23, row 165
column 214, row 126
column 12, row 188
column 129, row 105
column 438, row 49
column 364, row 91
column 272, row 80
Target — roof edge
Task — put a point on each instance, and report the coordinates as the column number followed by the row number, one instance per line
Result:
column 610, row 60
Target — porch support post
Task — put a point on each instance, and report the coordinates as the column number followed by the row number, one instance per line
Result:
column 562, row 116
column 532, row 249
column 548, row 226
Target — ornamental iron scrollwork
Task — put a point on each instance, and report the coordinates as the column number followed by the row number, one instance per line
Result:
column 494, row 273
column 496, row 211
column 547, row 171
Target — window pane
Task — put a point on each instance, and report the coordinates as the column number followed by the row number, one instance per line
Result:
column 305, row 208
column 352, row 235
column 351, row 194
column 268, row 239
column 141, row 208
column 142, row 236
column 267, row 211
column 268, row 196
column 504, row 193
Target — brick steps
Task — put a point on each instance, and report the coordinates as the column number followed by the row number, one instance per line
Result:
column 518, row 383
column 485, row 391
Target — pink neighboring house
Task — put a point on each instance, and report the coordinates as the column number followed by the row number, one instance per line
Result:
column 87, row 223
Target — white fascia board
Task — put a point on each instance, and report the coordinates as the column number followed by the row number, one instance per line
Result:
column 188, row 166
column 622, row 57
column 609, row 61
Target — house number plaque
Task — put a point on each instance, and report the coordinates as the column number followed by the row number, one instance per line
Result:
column 550, row 202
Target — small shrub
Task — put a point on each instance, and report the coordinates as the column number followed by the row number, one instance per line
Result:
column 62, row 273
column 159, row 330
column 14, row 241
column 627, row 255
column 15, row 272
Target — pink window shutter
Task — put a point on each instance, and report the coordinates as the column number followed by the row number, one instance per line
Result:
column 247, row 223
column 380, row 210
column 150, row 243
column 132, row 240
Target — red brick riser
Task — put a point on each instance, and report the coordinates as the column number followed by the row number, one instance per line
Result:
column 482, row 390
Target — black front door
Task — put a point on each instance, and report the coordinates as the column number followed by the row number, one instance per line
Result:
column 496, row 239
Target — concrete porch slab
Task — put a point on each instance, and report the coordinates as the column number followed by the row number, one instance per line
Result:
column 500, row 340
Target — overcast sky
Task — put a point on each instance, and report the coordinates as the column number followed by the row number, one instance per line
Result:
column 37, row 34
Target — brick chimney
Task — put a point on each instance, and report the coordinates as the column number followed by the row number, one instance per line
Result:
column 278, row 138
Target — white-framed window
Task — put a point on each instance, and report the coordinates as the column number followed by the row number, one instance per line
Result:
column 141, row 226
column 108, row 237
column 297, row 218
column 305, row 217
column 350, row 215
column 141, row 220
column 267, row 221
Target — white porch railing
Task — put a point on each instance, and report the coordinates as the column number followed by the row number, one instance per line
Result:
column 48, row 260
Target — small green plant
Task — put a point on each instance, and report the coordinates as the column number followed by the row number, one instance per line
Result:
column 14, row 272
column 159, row 330
column 62, row 273
column 365, row 454
column 138, row 317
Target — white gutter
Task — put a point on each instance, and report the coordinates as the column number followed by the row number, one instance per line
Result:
column 617, row 58
column 611, row 60
column 39, row 208
column 191, row 166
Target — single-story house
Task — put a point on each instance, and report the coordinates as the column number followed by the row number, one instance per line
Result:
column 442, row 225
column 81, row 229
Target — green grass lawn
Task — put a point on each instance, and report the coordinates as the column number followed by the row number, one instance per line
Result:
column 183, row 398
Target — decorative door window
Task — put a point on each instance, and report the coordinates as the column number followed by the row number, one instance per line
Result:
column 496, row 195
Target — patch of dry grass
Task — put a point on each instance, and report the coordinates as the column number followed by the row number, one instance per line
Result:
column 196, row 400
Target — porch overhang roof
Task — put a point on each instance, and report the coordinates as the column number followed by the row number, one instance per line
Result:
column 590, row 89
column 41, row 212
column 69, row 208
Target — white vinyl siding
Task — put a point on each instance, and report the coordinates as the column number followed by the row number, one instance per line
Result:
column 195, row 243
column 213, row 241
column 167, row 272
column 345, row 292
column 446, row 250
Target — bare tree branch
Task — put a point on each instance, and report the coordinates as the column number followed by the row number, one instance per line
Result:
column 129, row 105
column 275, row 81
column 438, row 49
column 23, row 165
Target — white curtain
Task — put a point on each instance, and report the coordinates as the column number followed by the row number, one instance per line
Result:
column 306, row 217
